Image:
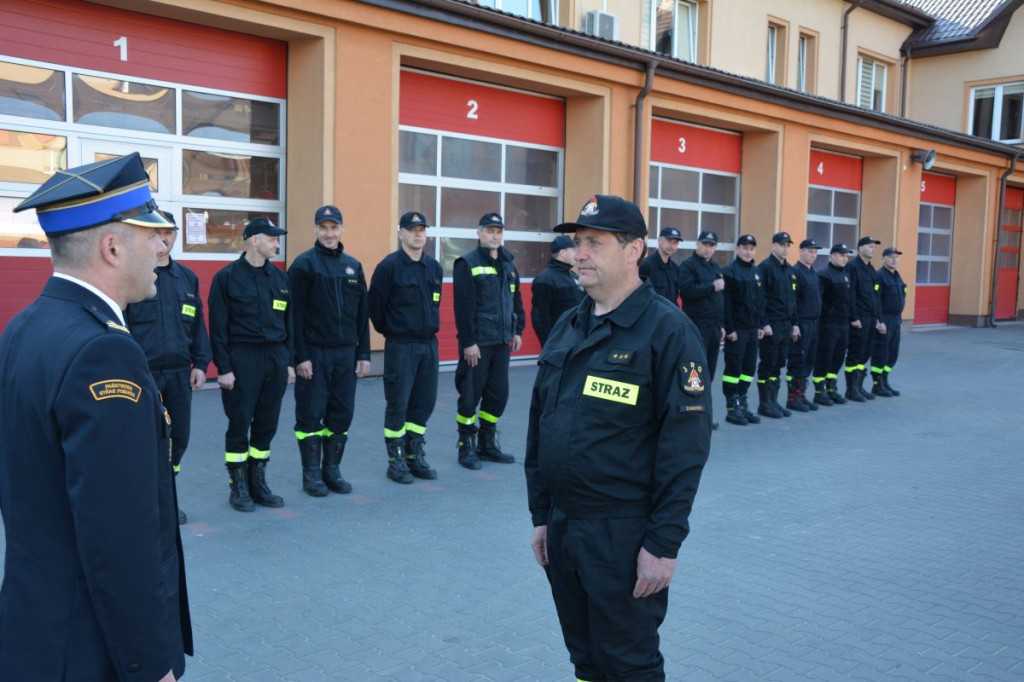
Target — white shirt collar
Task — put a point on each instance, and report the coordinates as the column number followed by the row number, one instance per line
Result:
column 109, row 301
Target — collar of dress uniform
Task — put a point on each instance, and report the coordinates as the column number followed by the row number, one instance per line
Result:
column 85, row 285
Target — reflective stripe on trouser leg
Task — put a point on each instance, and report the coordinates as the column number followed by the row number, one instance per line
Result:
column 235, row 457
column 391, row 435
column 488, row 417
column 258, row 454
column 415, row 429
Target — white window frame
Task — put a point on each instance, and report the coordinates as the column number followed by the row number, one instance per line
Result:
column 866, row 97
column 655, row 203
column 691, row 28
column 552, row 6
column 928, row 257
column 772, row 54
column 997, row 111
column 833, row 219
column 801, row 62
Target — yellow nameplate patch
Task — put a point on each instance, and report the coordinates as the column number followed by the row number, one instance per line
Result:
column 280, row 305
column 188, row 310
column 437, row 297
column 115, row 388
column 606, row 389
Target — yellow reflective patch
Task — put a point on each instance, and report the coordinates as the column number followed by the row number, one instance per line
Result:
column 115, row 388
column 437, row 296
column 606, row 389
column 188, row 310
column 512, row 288
column 280, row 305
column 876, row 287
column 794, row 286
column 483, row 270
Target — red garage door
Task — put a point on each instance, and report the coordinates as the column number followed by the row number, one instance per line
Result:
column 833, row 200
column 934, row 249
column 1008, row 256
column 467, row 148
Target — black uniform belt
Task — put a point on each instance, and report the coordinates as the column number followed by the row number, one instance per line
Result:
column 601, row 509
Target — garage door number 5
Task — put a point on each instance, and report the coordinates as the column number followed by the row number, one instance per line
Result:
column 122, row 43
column 472, row 106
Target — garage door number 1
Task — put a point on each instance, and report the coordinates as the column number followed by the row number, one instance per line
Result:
column 122, row 43
column 472, row 106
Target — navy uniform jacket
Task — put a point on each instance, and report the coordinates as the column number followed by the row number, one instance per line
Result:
column 248, row 306
column 837, row 305
column 328, row 292
column 808, row 292
column 620, row 421
column 488, row 302
column 697, row 288
column 664, row 275
column 405, row 297
column 170, row 327
column 779, row 282
column 744, row 296
column 864, row 282
column 893, row 292
column 555, row 290
column 94, row 582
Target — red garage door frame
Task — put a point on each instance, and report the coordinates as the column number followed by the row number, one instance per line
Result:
column 1008, row 254
column 931, row 298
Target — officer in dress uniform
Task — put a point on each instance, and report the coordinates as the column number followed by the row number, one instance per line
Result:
column 779, row 288
column 405, row 301
column 660, row 268
column 490, row 321
column 251, row 337
column 94, row 578
column 332, row 350
column 893, row 295
column 619, row 432
column 837, row 317
column 868, row 310
column 556, row 289
column 700, row 287
column 803, row 350
column 171, row 330
column 744, row 326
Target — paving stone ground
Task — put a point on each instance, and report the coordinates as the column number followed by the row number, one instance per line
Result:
column 877, row 542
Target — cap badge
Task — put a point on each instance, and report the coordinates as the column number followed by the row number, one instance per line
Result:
column 349, row 270
column 591, row 208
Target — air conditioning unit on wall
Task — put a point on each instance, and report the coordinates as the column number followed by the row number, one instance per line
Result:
column 601, row 24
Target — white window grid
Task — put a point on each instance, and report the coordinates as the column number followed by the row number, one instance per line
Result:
column 929, row 257
column 438, row 182
column 77, row 133
column 684, row 20
column 832, row 220
column 657, row 203
column 997, row 110
column 773, row 47
column 871, row 84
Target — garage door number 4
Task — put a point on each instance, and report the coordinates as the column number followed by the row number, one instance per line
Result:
column 122, row 43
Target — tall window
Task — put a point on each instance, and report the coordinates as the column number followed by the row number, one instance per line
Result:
column 871, row 84
column 772, row 56
column 538, row 10
column 673, row 28
column 806, row 62
column 996, row 112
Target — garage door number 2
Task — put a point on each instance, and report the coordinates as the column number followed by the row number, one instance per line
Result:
column 471, row 107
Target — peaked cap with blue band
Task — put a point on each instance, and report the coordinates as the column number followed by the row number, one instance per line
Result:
column 115, row 190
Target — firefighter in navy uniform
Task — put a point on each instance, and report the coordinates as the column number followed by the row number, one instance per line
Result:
column 868, row 310
column 332, row 350
column 490, row 320
column 251, row 337
column 744, row 327
column 619, row 432
column 803, row 350
column 779, row 288
column 660, row 268
column 94, row 577
column 837, row 317
column 700, row 287
column 556, row 289
column 404, row 302
column 171, row 330
column 893, row 295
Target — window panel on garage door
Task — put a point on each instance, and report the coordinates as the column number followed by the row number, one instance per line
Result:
column 833, row 201
column 934, row 249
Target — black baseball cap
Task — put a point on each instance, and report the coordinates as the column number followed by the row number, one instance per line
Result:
column 670, row 233
column 840, row 248
column 262, row 226
column 412, row 219
column 746, row 239
column 170, row 218
column 892, row 250
column 491, row 220
column 328, row 212
column 867, row 240
column 609, row 213
column 809, row 244
column 708, row 237
column 782, row 238
column 562, row 242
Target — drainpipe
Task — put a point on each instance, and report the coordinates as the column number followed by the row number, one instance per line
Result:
column 843, row 30
column 999, row 223
column 638, row 133
column 903, row 83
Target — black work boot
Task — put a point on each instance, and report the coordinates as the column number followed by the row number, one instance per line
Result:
column 751, row 417
column 853, row 392
column 833, row 391
column 258, row 488
column 801, row 389
column 794, row 398
column 398, row 471
column 467, row 447
column 821, row 396
column 888, row 386
column 416, row 459
column 488, row 447
column 861, row 373
column 334, row 450
column 733, row 412
column 309, row 453
column 878, row 385
column 773, row 391
column 239, row 482
column 766, row 406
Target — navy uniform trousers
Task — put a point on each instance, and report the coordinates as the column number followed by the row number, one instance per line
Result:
column 328, row 399
column 176, row 393
column 803, row 351
column 740, row 362
column 254, row 404
column 832, row 345
column 886, row 348
column 486, row 384
column 410, row 384
column 711, row 334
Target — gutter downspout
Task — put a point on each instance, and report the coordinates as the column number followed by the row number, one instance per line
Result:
column 903, row 83
column 999, row 223
column 844, row 31
column 638, row 132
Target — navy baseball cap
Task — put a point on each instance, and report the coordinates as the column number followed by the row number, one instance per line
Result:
column 325, row 213
column 670, row 233
column 708, row 237
column 262, row 226
column 746, row 239
column 867, row 240
column 114, row 190
column 169, row 217
column 412, row 219
column 782, row 238
column 562, row 242
column 892, row 250
column 609, row 213
column 840, row 248
column 809, row 244
column 491, row 220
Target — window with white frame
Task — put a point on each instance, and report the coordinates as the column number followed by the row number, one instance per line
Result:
column 538, row 10
column 833, row 217
column 772, row 56
column 806, row 62
column 871, row 84
column 694, row 200
column 996, row 112
column 672, row 28
column 934, row 244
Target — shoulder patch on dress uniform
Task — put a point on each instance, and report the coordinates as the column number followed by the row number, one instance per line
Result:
column 620, row 357
column 118, row 327
column 692, row 377
column 116, row 388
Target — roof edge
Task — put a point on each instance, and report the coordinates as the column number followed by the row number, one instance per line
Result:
column 988, row 35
